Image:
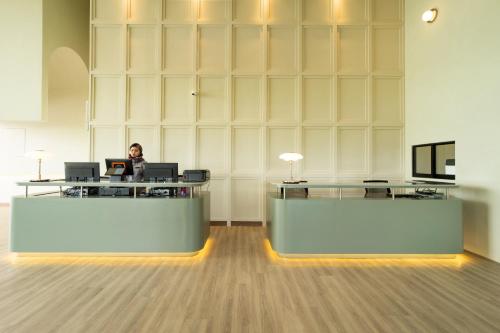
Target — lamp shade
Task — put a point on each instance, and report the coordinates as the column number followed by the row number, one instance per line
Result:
column 291, row 157
column 38, row 154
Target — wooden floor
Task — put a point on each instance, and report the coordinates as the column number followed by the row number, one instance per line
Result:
column 238, row 285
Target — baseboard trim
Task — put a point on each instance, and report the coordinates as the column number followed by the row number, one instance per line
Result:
column 236, row 223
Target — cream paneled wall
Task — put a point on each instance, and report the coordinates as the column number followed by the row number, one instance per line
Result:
column 321, row 77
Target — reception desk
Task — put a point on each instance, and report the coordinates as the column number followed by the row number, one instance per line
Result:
column 358, row 227
column 55, row 224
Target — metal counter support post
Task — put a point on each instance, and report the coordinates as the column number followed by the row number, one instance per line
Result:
column 340, row 193
column 81, row 191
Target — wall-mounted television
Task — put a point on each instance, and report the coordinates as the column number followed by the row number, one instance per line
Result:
column 434, row 160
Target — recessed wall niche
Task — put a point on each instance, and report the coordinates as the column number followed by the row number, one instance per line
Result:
column 228, row 85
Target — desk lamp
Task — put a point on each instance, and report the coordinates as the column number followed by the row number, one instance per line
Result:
column 290, row 158
column 38, row 155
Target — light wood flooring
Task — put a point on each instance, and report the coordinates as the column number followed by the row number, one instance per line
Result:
column 238, row 285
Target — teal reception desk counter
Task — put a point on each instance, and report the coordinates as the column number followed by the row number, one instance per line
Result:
column 44, row 224
column 359, row 227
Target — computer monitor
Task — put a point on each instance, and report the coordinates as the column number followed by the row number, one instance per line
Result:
column 81, row 171
column 154, row 172
column 119, row 163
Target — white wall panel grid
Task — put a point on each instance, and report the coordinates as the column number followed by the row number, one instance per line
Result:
column 142, row 99
column 107, row 51
column 177, row 102
column 148, row 137
column 247, row 99
column 107, row 103
column 228, row 85
column 177, row 145
column 142, row 48
column 246, row 199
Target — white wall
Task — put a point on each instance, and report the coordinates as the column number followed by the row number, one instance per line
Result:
column 20, row 60
column 64, row 86
column 64, row 135
column 452, row 93
column 322, row 77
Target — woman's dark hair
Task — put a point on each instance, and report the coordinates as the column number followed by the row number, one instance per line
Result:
column 138, row 146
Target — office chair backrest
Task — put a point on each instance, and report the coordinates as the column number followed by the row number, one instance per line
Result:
column 377, row 192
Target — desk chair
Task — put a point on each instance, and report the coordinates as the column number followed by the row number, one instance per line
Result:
column 377, row 192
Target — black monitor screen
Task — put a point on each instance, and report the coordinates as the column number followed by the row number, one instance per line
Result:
column 81, row 171
column 117, row 163
column 161, row 172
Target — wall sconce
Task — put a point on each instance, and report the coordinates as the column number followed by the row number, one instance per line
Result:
column 38, row 155
column 430, row 15
column 290, row 158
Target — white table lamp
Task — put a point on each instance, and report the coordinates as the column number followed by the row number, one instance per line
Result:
column 38, row 155
column 290, row 158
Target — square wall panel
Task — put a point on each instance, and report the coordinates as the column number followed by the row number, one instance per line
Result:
column 281, row 100
column 352, row 99
column 352, row 150
column 147, row 138
column 316, row 50
column 279, row 141
column 107, row 142
column 387, row 100
column 387, row 50
column 246, row 199
column 211, row 149
column 316, row 99
column 351, row 10
column 177, row 99
column 352, row 49
column 387, row 151
column 142, row 49
column 246, row 150
column 282, row 11
column 212, row 10
column 178, row 10
column 316, row 11
column 387, row 10
column 142, row 106
column 246, row 99
column 282, row 50
column 218, row 199
column 317, row 150
column 177, row 146
column 212, row 48
column 247, row 11
column 107, row 99
column 178, row 49
column 107, row 49
column 212, row 99
column 144, row 10
column 247, row 49
column 108, row 10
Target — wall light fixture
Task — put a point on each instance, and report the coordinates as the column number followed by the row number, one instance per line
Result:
column 430, row 15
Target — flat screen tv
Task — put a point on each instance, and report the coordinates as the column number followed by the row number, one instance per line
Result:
column 434, row 160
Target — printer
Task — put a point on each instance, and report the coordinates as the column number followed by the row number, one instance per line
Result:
column 195, row 175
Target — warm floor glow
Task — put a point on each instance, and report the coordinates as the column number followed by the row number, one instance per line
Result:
column 457, row 262
column 75, row 260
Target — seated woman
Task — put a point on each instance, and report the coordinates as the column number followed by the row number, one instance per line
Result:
column 135, row 154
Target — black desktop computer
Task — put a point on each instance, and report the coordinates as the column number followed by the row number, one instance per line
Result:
column 118, row 168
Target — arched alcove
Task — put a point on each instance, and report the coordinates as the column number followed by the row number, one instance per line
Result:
column 66, row 133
